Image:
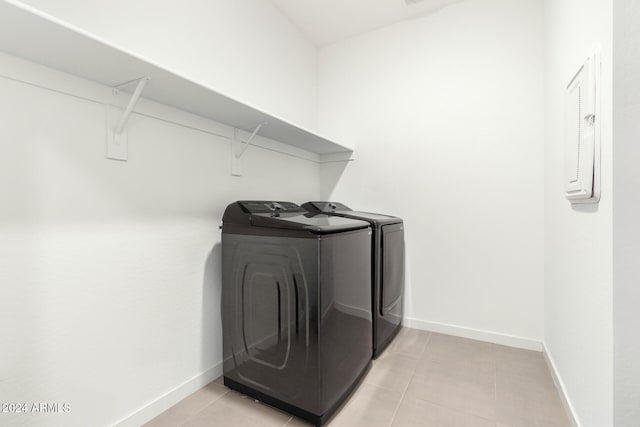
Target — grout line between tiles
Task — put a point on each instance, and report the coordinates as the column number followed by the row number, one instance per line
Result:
column 197, row 412
column 395, row 413
column 495, row 387
column 287, row 423
column 494, row 419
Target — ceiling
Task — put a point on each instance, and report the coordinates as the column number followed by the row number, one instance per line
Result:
column 329, row 21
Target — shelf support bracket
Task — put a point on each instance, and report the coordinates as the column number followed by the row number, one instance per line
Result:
column 117, row 140
column 236, row 142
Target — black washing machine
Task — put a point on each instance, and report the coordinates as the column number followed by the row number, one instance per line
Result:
column 387, row 254
column 296, row 310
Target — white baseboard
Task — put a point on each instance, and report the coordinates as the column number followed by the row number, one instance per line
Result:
column 566, row 402
column 475, row 334
column 164, row 402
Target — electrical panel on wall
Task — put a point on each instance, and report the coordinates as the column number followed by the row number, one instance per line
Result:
column 582, row 134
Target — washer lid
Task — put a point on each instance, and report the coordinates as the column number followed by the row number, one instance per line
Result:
column 339, row 209
column 314, row 223
column 286, row 215
column 368, row 216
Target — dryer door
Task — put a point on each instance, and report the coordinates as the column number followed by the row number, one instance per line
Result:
column 392, row 263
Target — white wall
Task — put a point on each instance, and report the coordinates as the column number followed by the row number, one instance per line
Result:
column 626, row 227
column 244, row 48
column 578, row 239
column 446, row 112
column 110, row 270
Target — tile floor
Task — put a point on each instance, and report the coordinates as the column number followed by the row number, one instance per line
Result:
column 423, row 379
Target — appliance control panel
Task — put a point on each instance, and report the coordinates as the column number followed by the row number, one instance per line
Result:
column 330, row 206
column 258, row 207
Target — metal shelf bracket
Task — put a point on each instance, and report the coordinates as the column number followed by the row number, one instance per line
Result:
column 117, row 139
column 238, row 148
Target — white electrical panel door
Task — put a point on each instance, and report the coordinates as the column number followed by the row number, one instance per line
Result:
column 582, row 139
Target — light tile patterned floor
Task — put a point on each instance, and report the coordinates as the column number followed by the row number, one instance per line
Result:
column 423, row 379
